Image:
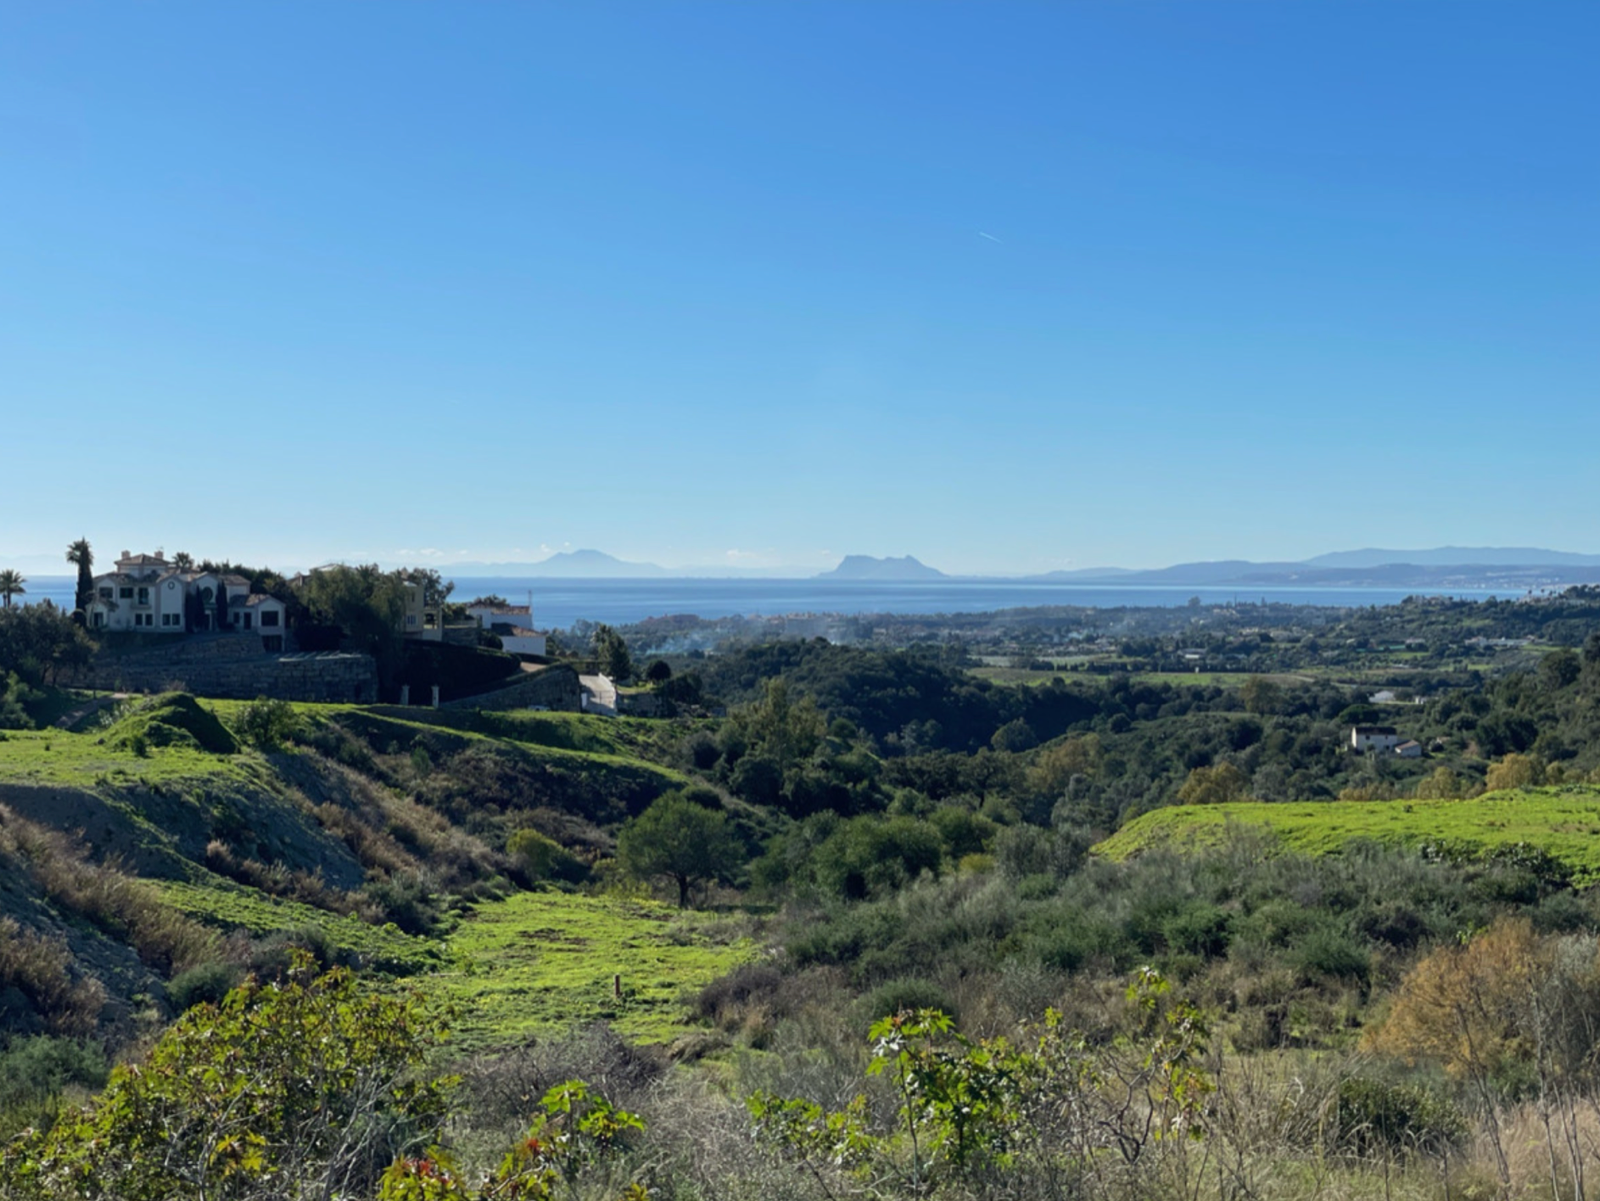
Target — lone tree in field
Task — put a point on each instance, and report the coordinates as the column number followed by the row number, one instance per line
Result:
column 682, row 838
column 80, row 554
column 11, row 584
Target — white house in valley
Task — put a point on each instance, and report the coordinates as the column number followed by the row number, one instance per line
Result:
column 146, row 594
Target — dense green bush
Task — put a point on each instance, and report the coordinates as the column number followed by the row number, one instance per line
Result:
column 206, row 984
column 266, row 724
column 543, row 858
column 868, row 856
column 905, row 995
column 34, row 1072
column 1375, row 1115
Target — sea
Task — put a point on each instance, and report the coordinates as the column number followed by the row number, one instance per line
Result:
column 558, row 603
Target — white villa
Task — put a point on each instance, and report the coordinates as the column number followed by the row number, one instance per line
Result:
column 149, row 595
column 513, row 624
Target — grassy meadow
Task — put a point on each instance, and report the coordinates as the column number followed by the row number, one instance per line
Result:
column 544, row 961
column 1563, row 821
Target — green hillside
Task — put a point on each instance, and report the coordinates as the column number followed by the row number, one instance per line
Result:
column 1563, row 822
column 366, row 833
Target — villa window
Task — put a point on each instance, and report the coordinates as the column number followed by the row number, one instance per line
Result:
column 106, row 593
column 144, row 596
column 125, row 593
column 269, row 617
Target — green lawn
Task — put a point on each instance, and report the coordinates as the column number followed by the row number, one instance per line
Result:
column 544, row 961
column 1563, row 821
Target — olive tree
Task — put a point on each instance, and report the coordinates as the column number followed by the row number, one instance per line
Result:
column 679, row 836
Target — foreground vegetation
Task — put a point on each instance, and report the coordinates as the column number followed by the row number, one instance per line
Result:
column 1072, row 936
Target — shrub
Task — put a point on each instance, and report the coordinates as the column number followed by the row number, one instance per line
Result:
column 299, row 1084
column 271, row 958
column 700, row 751
column 869, row 856
column 15, row 697
column 406, row 900
column 1328, row 951
column 963, row 831
column 35, row 1071
column 1024, row 850
column 1371, row 1115
column 266, row 724
column 1199, row 929
column 1065, row 942
column 203, row 985
column 905, row 995
column 726, row 1000
column 543, row 858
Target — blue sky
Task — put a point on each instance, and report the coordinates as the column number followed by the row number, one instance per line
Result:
column 1009, row 287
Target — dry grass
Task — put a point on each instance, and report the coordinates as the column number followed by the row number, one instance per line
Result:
column 119, row 905
column 40, row 968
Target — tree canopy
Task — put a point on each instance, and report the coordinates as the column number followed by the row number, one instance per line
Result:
column 679, row 836
column 612, row 653
column 80, row 554
column 11, row 584
column 36, row 641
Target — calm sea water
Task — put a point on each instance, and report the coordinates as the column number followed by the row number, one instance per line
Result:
column 559, row 603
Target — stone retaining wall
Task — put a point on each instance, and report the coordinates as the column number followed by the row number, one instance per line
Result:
column 552, row 687
column 330, row 676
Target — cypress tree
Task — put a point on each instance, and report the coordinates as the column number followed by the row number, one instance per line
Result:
column 80, row 554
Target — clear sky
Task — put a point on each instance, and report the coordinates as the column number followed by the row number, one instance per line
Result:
column 1007, row 286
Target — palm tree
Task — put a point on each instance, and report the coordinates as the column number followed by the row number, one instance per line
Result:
column 11, row 584
column 80, row 554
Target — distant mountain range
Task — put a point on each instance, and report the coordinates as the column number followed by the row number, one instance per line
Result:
column 1446, row 556
column 1447, row 567
column 1442, row 567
